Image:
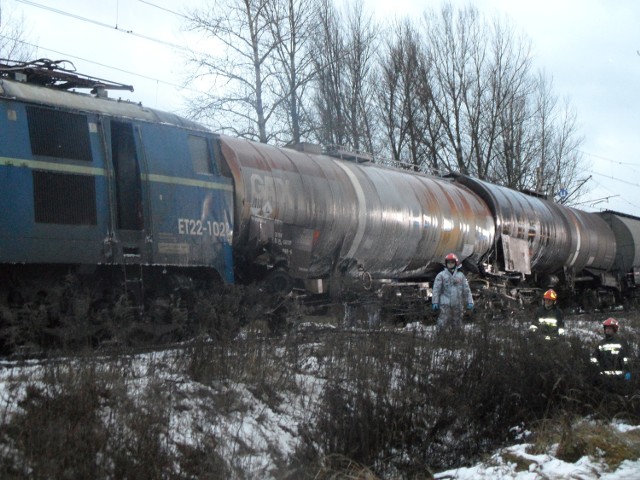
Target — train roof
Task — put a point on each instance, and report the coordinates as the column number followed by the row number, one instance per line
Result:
column 620, row 214
column 45, row 82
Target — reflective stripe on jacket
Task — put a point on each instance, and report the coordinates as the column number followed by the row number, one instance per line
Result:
column 612, row 355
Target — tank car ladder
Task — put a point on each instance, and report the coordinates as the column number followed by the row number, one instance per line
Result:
column 133, row 280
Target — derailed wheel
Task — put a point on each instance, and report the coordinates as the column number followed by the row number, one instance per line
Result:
column 279, row 282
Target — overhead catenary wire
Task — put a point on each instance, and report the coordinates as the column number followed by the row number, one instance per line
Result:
column 613, row 194
column 164, row 9
column 629, row 168
column 111, row 67
column 102, row 24
column 116, row 28
column 617, row 162
column 611, row 177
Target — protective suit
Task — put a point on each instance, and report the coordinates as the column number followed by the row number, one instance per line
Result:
column 451, row 295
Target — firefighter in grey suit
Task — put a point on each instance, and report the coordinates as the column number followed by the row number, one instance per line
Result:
column 451, row 294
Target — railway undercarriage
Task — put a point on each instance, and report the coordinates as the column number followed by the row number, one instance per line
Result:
column 60, row 307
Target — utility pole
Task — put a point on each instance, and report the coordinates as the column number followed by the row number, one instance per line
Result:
column 566, row 199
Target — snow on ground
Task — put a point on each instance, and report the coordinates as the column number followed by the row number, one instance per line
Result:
column 542, row 467
column 259, row 435
column 255, row 435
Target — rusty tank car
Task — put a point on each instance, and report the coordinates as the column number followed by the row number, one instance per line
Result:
column 305, row 214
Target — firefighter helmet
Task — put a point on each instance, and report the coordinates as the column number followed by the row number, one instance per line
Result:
column 611, row 322
column 550, row 295
column 451, row 256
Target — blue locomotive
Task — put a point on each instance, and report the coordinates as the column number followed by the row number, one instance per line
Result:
column 86, row 180
column 97, row 186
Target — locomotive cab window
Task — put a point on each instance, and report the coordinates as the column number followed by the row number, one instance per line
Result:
column 200, row 157
column 58, row 134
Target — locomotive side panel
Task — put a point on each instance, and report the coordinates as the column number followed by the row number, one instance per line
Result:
column 53, row 183
column 88, row 180
column 190, row 201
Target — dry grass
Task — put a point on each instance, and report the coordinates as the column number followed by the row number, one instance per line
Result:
column 391, row 405
column 575, row 439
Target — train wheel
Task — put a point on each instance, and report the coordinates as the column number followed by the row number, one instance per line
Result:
column 279, row 282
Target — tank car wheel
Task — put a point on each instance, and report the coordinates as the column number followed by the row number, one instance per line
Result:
column 367, row 281
column 279, row 282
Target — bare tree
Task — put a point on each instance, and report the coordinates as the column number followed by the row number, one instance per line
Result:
column 559, row 145
column 539, row 145
column 483, row 111
column 503, row 87
column 511, row 137
column 344, row 61
column 13, row 36
column 453, row 42
column 517, row 149
column 402, row 65
column 293, row 26
column 360, row 47
column 328, row 58
column 238, row 68
column 257, row 67
column 453, row 94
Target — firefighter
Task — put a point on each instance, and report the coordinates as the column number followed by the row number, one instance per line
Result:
column 451, row 294
column 612, row 353
column 549, row 321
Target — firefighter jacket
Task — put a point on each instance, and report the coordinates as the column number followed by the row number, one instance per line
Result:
column 549, row 322
column 451, row 289
column 612, row 356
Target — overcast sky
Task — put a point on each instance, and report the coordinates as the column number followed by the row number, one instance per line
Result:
column 589, row 47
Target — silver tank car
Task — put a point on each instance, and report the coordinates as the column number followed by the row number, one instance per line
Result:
column 539, row 236
column 314, row 212
column 593, row 243
column 626, row 229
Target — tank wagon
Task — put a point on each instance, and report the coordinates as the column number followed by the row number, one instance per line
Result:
column 146, row 199
column 551, row 245
column 626, row 268
column 309, row 214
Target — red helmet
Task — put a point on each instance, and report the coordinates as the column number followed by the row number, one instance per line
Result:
column 550, row 295
column 451, row 256
column 611, row 322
